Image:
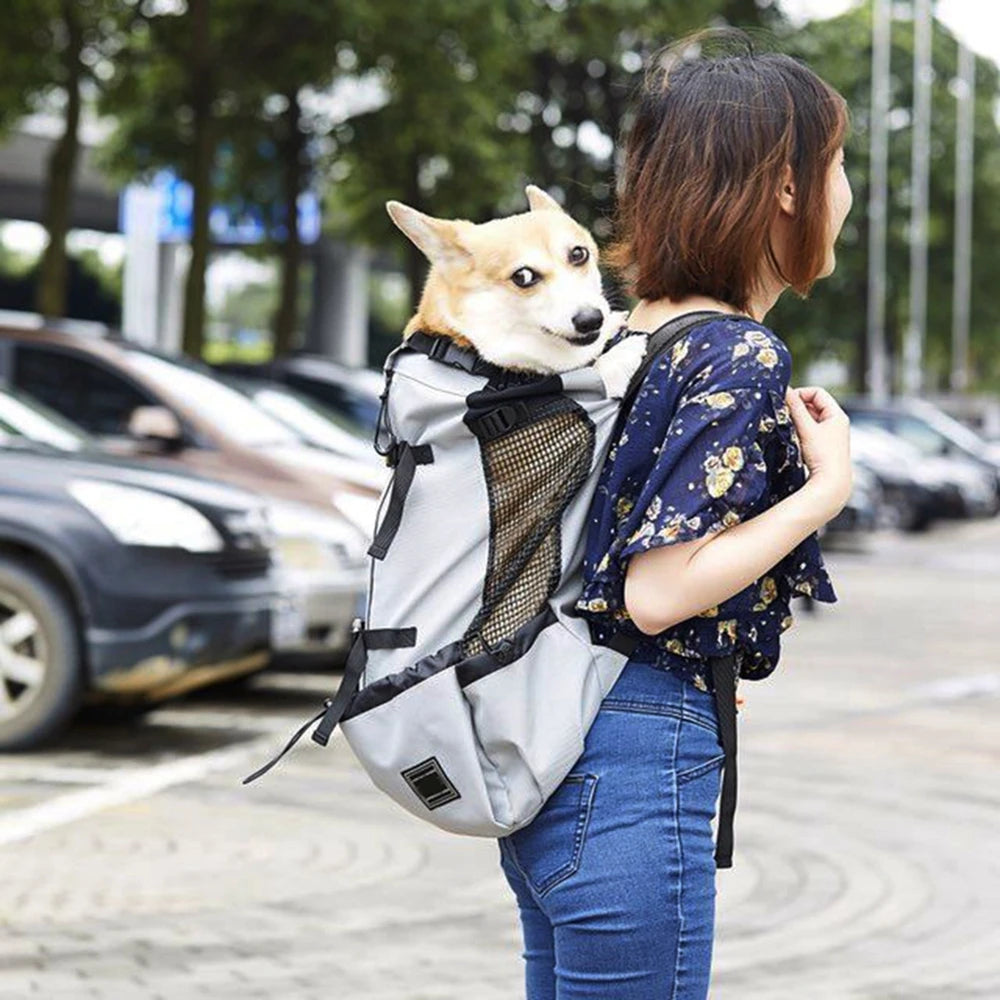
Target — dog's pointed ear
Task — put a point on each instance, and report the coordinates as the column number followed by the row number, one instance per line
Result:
column 439, row 239
column 540, row 200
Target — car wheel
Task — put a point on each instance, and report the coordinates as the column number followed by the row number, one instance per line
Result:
column 40, row 675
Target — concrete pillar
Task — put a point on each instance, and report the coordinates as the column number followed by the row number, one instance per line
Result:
column 140, row 282
column 338, row 326
column 173, row 264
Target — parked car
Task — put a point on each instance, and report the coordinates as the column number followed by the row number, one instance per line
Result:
column 309, row 548
column 316, row 423
column 24, row 416
column 915, row 490
column 122, row 584
column 860, row 515
column 937, row 435
column 352, row 392
column 173, row 412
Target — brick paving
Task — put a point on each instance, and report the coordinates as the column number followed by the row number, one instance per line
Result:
column 865, row 863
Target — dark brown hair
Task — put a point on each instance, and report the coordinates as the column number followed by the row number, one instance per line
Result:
column 703, row 164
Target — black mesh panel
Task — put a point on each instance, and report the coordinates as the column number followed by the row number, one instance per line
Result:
column 532, row 474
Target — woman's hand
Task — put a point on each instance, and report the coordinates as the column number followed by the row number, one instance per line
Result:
column 824, row 434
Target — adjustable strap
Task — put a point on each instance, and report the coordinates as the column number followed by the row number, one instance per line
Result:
column 724, row 681
column 494, row 411
column 407, row 459
column 491, row 424
column 333, row 708
column 444, row 349
column 364, row 639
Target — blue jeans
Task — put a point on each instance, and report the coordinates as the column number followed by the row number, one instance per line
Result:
column 615, row 876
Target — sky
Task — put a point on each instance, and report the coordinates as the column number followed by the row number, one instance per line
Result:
column 975, row 22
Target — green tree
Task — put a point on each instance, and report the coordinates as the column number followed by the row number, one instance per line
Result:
column 483, row 97
column 834, row 316
column 52, row 52
column 169, row 95
column 277, row 132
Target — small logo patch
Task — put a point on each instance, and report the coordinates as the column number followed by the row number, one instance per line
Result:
column 430, row 783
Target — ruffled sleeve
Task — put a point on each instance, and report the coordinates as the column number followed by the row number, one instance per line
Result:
column 697, row 470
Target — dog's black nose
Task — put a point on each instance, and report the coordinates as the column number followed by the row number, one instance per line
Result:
column 588, row 320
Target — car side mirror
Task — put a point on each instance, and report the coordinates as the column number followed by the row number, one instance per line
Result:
column 155, row 423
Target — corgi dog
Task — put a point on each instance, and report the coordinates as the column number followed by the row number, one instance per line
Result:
column 523, row 291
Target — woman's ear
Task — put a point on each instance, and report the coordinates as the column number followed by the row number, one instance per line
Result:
column 786, row 193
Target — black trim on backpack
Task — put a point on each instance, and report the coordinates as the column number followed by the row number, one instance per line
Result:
column 468, row 670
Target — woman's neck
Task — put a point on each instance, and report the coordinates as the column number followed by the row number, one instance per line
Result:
column 650, row 314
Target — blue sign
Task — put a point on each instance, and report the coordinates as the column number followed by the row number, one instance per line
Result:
column 228, row 223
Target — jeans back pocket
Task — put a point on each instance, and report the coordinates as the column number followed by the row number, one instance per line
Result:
column 698, row 748
column 549, row 848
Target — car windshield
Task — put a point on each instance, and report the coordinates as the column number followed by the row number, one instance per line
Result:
column 313, row 420
column 951, row 428
column 226, row 408
column 21, row 415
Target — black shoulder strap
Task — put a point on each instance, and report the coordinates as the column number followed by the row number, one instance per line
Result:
column 444, row 349
column 660, row 341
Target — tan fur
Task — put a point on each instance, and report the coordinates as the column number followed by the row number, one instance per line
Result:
column 559, row 322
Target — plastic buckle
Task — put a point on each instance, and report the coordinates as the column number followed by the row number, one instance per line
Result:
column 439, row 348
column 499, row 421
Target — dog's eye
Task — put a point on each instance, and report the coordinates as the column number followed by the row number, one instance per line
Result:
column 523, row 277
column 579, row 255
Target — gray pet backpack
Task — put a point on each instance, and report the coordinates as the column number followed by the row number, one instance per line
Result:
column 472, row 681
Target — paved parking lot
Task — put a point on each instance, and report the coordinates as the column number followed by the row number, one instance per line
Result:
column 136, row 866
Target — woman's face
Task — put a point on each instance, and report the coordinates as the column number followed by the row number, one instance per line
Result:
column 839, row 200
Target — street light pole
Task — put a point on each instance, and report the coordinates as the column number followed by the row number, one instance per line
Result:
column 878, row 189
column 964, row 144
column 913, row 346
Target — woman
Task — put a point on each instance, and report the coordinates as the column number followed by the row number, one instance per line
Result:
column 704, row 522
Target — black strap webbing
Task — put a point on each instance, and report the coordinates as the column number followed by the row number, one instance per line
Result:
column 660, row 341
column 724, row 682
column 442, row 348
column 333, row 708
column 408, row 458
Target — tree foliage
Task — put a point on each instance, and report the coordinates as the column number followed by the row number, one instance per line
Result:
column 833, row 318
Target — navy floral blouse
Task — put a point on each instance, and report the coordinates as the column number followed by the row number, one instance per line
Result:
column 709, row 443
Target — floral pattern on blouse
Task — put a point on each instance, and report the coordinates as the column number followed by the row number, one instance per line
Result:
column 709, row 443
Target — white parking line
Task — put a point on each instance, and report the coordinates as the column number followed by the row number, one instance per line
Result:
column 52, row 774
column 213, row 718
column 128, row 787
column 959, row 687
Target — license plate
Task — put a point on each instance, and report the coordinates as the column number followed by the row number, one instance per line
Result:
column 288, row 621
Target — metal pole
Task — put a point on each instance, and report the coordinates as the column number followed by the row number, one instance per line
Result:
column 962, row 290
column 878, row 189
column 913, row 347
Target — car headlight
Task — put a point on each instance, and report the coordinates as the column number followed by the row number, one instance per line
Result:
column 137, row 516
column 306, row 537
column 251, row 528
